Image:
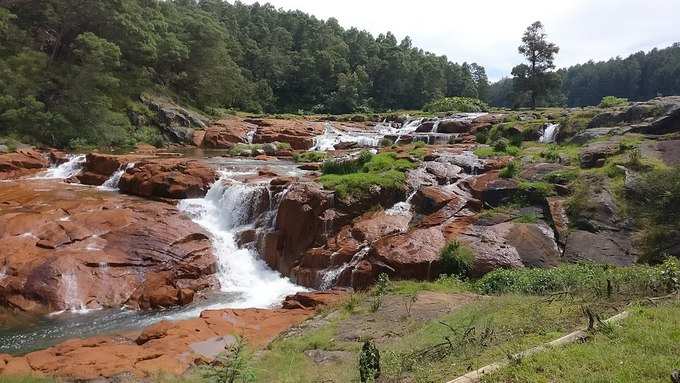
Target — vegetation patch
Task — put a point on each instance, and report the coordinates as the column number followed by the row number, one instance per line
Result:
column 456, row 104
column 456, row 259
column 312, row 156
column 611, row 101
column 357, row 177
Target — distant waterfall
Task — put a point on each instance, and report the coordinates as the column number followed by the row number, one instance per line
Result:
column 549, row 134
column 227, row 206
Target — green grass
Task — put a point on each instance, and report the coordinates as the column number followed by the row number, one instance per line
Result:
column 358, row 178
column 642, row 348
column 306, row 157
column 26, row 379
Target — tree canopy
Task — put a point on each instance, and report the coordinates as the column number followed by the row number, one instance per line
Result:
column 71, row 70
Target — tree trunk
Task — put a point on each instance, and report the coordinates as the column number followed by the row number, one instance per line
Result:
column 533, row 100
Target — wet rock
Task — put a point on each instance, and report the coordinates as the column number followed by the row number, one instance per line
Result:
column 168, row 178
column 99, row 167
column 21, row 163
column 303, row 218
column 71, row 248
column 558, row 214
column 445, row 173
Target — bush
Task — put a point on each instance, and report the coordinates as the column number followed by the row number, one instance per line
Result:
column 578, row 279
column 344, row 166
column 611, row 101
column 551, row 153
column 456, row 104
column 306, row 157
column 235, row 365
column 511, row 170
column 501, row 144
column 456, row 259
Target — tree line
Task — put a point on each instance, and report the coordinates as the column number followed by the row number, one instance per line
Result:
column 638, row 77
column 71, row 71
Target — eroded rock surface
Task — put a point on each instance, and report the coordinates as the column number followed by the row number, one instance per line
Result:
column 168, row 178
column 21, row 163
column 66, row 247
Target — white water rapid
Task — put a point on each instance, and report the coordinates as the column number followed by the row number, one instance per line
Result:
column 549, row 134
column 66, row 170
column 111, row 184
column 228, row 206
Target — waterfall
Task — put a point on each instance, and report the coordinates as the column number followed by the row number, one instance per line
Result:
column 111, row 184
column 66, row 170
column 549, row 133
column 71, row 294
column 228, row 206
column 330, row 276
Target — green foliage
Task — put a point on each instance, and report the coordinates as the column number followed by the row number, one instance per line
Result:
column 536, row 191
column 635, row 281
column 218, row 57
column 562, row 177
column 611, row 101
column 456, row 104
column 306, row 157
column 511, row 170
column 551, row 153
column 456, row 259
column 356, row 178
column 381, row 288
column 536, row 78
column 235, row 365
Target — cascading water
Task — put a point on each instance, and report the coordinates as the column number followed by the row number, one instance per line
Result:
column 66, row 170
column 549, row 134
column 111, row 184
column 227, row 206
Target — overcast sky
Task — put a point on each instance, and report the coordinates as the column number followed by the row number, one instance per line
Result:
column 489, row 31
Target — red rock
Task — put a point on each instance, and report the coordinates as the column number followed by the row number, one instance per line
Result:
column 111, row 249
column 432, row 198
column 493, row 190
column 168, row 178
column 99, row 167
column 21, row 163
column 298, row 133
column 223, row 134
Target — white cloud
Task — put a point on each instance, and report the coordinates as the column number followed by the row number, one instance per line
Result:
column 489, row 31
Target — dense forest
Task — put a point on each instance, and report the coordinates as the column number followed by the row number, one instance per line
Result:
column 640, row 76
column 72, row 70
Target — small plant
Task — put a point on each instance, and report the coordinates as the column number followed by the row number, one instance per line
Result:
column 386, row 142
column 456, row 259
column 511, row 170
column 612, row 101
column 306, row 157
column 670, row 274
column 409, row 301
column 527, row 218
column 369, row 362
column 551, row 153
column 635, row 159
column 381, row 287
column 351, row 304
column 501, row 144
column 235, row 365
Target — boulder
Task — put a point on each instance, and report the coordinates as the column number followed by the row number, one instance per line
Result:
column 176, row 123
column 590, row 134
column 595, row 154
column 298, row 133
column 490, row 189
column 534, row 242
column 670, row 151
column 68, row 248
column 168, row 178
column 100, row 167
column 538, row 172
column 21, row 163
column 603, row 247
column 223, row 134
column 490, row 249
column 429, row 199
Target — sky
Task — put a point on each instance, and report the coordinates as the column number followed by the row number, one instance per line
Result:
column 488, row 31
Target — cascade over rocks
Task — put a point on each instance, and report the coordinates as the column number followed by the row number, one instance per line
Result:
column 168, row 178
column 72, row 248
column 99, row 167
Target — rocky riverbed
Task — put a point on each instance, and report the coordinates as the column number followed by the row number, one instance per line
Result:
column 201, row 241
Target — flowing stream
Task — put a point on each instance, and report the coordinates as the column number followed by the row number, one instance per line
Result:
column 245, row 280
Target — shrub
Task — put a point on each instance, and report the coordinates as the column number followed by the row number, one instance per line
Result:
column 347, row 166
column 611, row 101
column 551, row 153
column 511, row 170
column 500, row 145
column 456, row 259
column 576, row 279
column 306, row 157
column 235, row 365
column 562, row 177
column 456, row 104
column 482, row 136
column 418, row 153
